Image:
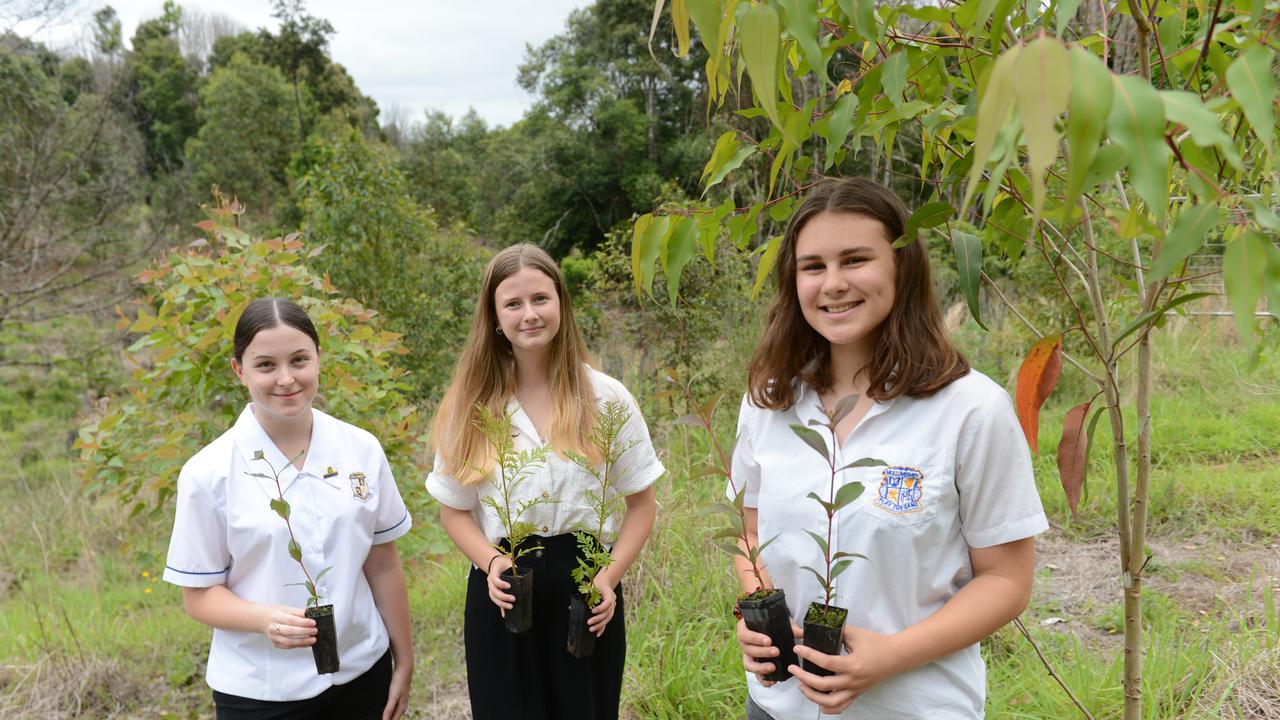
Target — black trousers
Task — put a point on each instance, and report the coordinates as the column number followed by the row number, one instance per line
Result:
column 531, row 676
column 361, row 699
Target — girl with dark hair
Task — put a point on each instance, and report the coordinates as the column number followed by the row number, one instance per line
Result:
column 525, row 358
column 947, row 527
column 231, row 553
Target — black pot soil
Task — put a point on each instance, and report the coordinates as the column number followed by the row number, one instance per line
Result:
column 580, row 641
column 325, row 651
column 520, row 617
column 823, row 630
column 769, row 615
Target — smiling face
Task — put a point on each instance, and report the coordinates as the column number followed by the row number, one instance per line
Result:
column 281, row 369
column 528, row 310
column 845, row 275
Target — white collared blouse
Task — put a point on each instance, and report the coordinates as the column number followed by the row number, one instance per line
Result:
column 343, row 501
column 558, row 478
column 958, row 477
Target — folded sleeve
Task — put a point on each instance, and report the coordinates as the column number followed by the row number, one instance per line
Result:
column 999, row 502
column 392, row 520
column 639, row 466
column 198, row 555
column 746, row 469
column 444, row 488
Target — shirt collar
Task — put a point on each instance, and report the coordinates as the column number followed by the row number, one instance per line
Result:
column 250, row 437
column 808, row 407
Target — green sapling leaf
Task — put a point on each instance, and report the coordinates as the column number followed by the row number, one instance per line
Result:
column 840, row 567
column 812, row 439
column 822, row 542
column 825, row 505
column 848, row 493
column 864, row 462
column 281, row 507
column 257, row 455
column 295, row 550
column 844, row 407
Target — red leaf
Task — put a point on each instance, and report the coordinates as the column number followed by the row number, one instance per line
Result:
column 1072, row 460
column 207, row 225
column 1036, row 379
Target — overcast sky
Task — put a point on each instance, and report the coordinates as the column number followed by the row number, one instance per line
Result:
column 418, row 55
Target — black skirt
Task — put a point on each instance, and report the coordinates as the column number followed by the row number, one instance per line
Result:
column 361, row 699
column 531, row 676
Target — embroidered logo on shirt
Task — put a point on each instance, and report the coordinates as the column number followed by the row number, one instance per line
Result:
column 901, row 490
column 360, row 488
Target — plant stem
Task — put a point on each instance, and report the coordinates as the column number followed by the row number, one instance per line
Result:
column 1052, row 673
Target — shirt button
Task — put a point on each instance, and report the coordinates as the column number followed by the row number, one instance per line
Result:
column 316, row 548
column 546, row 496
column 544, row 528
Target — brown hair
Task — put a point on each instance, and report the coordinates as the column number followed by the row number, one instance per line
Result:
column 913, row 355
column 485, row 375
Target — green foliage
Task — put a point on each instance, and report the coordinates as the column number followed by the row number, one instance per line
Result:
column 163, row 97
column 837, row 496
column 386, row 251
column 247, row 132
column 183, row 394
column 281, row 507
column 605, row 502
column 514, row 467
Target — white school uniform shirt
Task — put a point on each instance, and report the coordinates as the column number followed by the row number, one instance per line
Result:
column 342, row 502
column 557, row 477
column 958, row 476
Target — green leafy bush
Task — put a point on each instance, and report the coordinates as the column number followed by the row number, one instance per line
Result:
column 183, row 394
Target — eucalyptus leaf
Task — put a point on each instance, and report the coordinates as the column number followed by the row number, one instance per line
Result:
column 813, row 439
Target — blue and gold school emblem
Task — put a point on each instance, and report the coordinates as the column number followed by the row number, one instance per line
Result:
column 360, row 488
column 329, row 472
column 901, row 490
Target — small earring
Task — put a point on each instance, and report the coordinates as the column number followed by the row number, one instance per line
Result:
column 498, row 330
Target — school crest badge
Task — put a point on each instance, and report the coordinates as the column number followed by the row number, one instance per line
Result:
column 901, row 490
column 360, row 488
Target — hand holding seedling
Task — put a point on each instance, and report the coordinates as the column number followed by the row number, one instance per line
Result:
column 286, row 627
column 757, row 651
column 869, row 658
column 602, row 613
column 498, row 586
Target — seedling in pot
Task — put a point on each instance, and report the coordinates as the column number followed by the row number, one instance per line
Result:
column 514, row 467
column 763, row 610
column 605, row 503
column 824, row 622
column 325, row 651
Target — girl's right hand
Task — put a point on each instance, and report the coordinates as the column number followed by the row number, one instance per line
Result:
column 288, row 627
column 757, row 650
column 497, row 585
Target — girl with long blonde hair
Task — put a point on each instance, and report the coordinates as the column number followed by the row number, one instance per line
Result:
column 524, row 358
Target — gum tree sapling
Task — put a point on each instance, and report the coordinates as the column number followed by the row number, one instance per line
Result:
column 514, row 467
column 824, row 622
column 764, row 610
column 325, row 651
column 606, row 503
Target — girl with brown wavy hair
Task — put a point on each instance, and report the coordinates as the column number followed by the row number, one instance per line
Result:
column 525, row 359
column 947, row 525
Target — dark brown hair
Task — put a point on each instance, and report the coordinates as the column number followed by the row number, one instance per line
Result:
column 266, row 313
column 913, row 355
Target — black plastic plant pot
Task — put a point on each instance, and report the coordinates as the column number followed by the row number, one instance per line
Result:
column 325, row 651
column 768, row 614
column 580, row 641
column 823, row 631
column 520, row 617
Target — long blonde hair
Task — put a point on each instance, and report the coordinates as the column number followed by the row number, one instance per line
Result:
column 486, row 375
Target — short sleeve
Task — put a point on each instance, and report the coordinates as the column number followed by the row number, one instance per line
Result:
column 999, row 502
column 444, row 488
column 198, row 555
column 746, row 470
column 393, row 519
column 638, row 467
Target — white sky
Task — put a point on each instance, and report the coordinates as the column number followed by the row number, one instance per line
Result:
column 430, row 54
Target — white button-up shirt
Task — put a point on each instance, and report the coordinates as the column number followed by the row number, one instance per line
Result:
column 958, row 477
column 343, row 501
column 558, row 478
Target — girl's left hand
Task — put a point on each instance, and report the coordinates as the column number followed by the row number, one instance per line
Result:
column 870, row 659
column 398, row 694
column 601, row 614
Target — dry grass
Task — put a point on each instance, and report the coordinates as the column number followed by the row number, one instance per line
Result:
column 64, row 687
